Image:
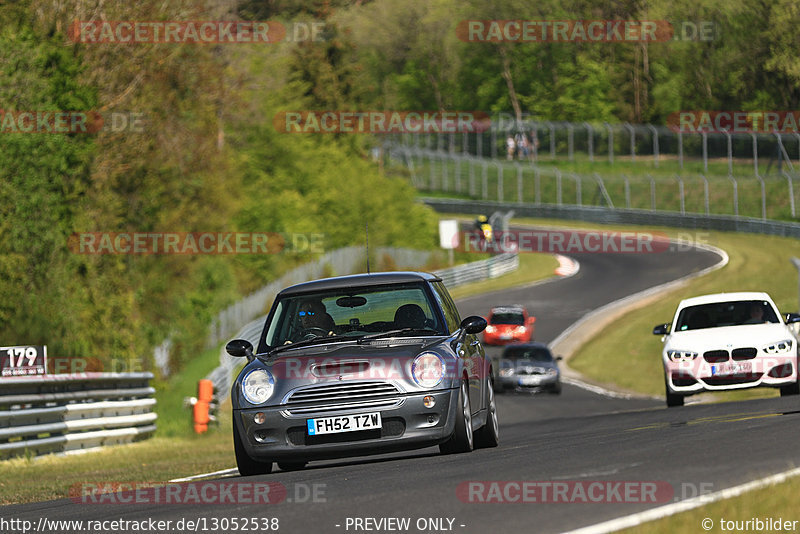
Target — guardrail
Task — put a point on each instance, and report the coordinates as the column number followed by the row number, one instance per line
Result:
column 479, row 270
column 621, row 216
column 60, row 413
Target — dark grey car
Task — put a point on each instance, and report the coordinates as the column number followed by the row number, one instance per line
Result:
column 358, row 365
column 529, row 367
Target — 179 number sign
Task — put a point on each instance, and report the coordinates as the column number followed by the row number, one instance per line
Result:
column 23, row 361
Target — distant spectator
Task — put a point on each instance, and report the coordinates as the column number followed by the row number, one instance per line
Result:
column 511, row 147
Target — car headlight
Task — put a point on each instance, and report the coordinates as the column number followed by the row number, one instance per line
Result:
column 681, row 355
column 780, row 347
column 551, row 372
column 489, row 329
column 519, row 330
column 427, row 369
column 257, row 386
column 508, row 371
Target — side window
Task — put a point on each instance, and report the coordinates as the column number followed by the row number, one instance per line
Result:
column 448, row 306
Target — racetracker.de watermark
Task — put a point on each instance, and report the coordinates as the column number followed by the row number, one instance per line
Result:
column 380, row 122
column 191, row 243
column 584, row 31
column 70, row 122
column 699, row 121
column 195, row 32
column 193, row 493
column 566, row 242
column 577, row 491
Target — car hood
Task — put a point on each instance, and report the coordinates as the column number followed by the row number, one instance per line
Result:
column 756, row 335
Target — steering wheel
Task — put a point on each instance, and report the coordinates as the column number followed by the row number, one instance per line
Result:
column 312, row 332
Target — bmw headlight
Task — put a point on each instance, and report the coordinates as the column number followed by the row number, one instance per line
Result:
column 780, row 347
column 681, row 355
column 257, row 386
column 551, row 372
column 427, row 369
column 508, row 371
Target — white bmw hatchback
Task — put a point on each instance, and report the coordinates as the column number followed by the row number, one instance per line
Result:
column 728, row 341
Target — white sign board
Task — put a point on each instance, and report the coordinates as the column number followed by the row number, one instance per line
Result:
column 448, row 234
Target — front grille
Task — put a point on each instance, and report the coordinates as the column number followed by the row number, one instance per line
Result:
column 716, row 356
column 746, row 353
column 339, row 396
column 390, row 428
column 741, row 378
column 530, row 372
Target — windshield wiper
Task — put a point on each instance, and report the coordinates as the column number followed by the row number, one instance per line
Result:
column 391, row 333
column 303, row 343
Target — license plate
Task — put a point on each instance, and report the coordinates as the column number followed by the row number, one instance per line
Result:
column 731, row 368
column 505, row 336
column 530, row 381
column 343, row 423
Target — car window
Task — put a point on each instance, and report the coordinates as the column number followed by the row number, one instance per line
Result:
column 513, row 318
column 528, row 353
column 353, row 312
column 718, row 314
column 448, row 307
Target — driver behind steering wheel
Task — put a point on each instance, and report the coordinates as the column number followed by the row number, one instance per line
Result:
column 314, row 321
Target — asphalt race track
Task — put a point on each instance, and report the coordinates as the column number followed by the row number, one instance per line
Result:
column 577, row 437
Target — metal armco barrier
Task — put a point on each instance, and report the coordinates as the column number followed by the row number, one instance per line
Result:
column 621, row 216
column 479, row 270
column 60, row 413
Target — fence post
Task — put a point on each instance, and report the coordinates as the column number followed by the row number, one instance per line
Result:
column 705, row 194
column 730, row 150
column 755, row 152
column 633, row 140
column 680, row 194
column 735, row 196
column 485, row 181
column 570, row 141
column 610, row 142
column 763, row 197
column 652, row 193
column 705, row 152
column 519, row 183
column 458, row 173
column 558, row 187
column 590, row 140
column 499, row 182
column 627, row 192
column 655, row 143
column 791, row 192
column 472, row 177
column 680, row 150
column 537, row 178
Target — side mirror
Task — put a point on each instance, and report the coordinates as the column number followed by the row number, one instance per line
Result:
column 531, row 320
column 792, row 318
column 473, row 324
column 559, row 358
column 239, row 348
column 661, row 329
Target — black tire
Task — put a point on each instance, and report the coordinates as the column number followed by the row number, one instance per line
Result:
column 291, row 466
column 462, row 439
column 489, row 434
column 791, row 389
column 673, row 400
column 556, row 390
column 247, row 466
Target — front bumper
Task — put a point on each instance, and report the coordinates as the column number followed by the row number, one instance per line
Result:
column 409, row 425
column 699, row 375
column 528, row 382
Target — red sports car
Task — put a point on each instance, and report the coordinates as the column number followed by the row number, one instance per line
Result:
column 509, row 324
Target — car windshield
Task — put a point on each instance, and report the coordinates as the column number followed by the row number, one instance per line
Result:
column 733, row 313
column 537, row 354
column 353, row 313
column 515, row 318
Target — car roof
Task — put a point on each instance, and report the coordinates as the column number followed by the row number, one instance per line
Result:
column 724, row 297
column 359, row 280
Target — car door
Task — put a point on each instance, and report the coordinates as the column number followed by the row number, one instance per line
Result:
column 469, row 350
